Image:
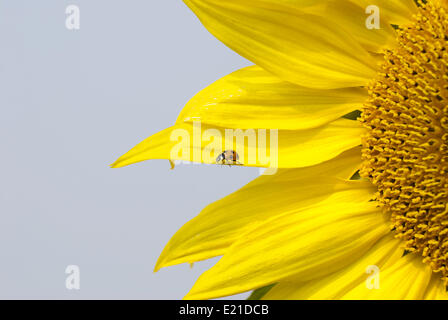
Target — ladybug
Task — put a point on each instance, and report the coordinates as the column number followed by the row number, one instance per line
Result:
column 228, row 157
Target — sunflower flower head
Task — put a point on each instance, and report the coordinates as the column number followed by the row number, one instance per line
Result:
column 405, row 150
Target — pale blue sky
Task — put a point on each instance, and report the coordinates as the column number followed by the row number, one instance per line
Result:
column 71, row 103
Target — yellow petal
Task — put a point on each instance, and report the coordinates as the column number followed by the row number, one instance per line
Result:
column 221, row 223
column 436, row 289
column 405, row 279
column 301, row 48
column 254, row 98
column 306, row 244
column 203, row 143
column 337, row 284
column 352, row 17
column 392, row 11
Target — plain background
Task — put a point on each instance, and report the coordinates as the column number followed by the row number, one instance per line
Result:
column 71, row 103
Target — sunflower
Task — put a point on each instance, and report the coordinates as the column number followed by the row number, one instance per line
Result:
column 362, row 120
